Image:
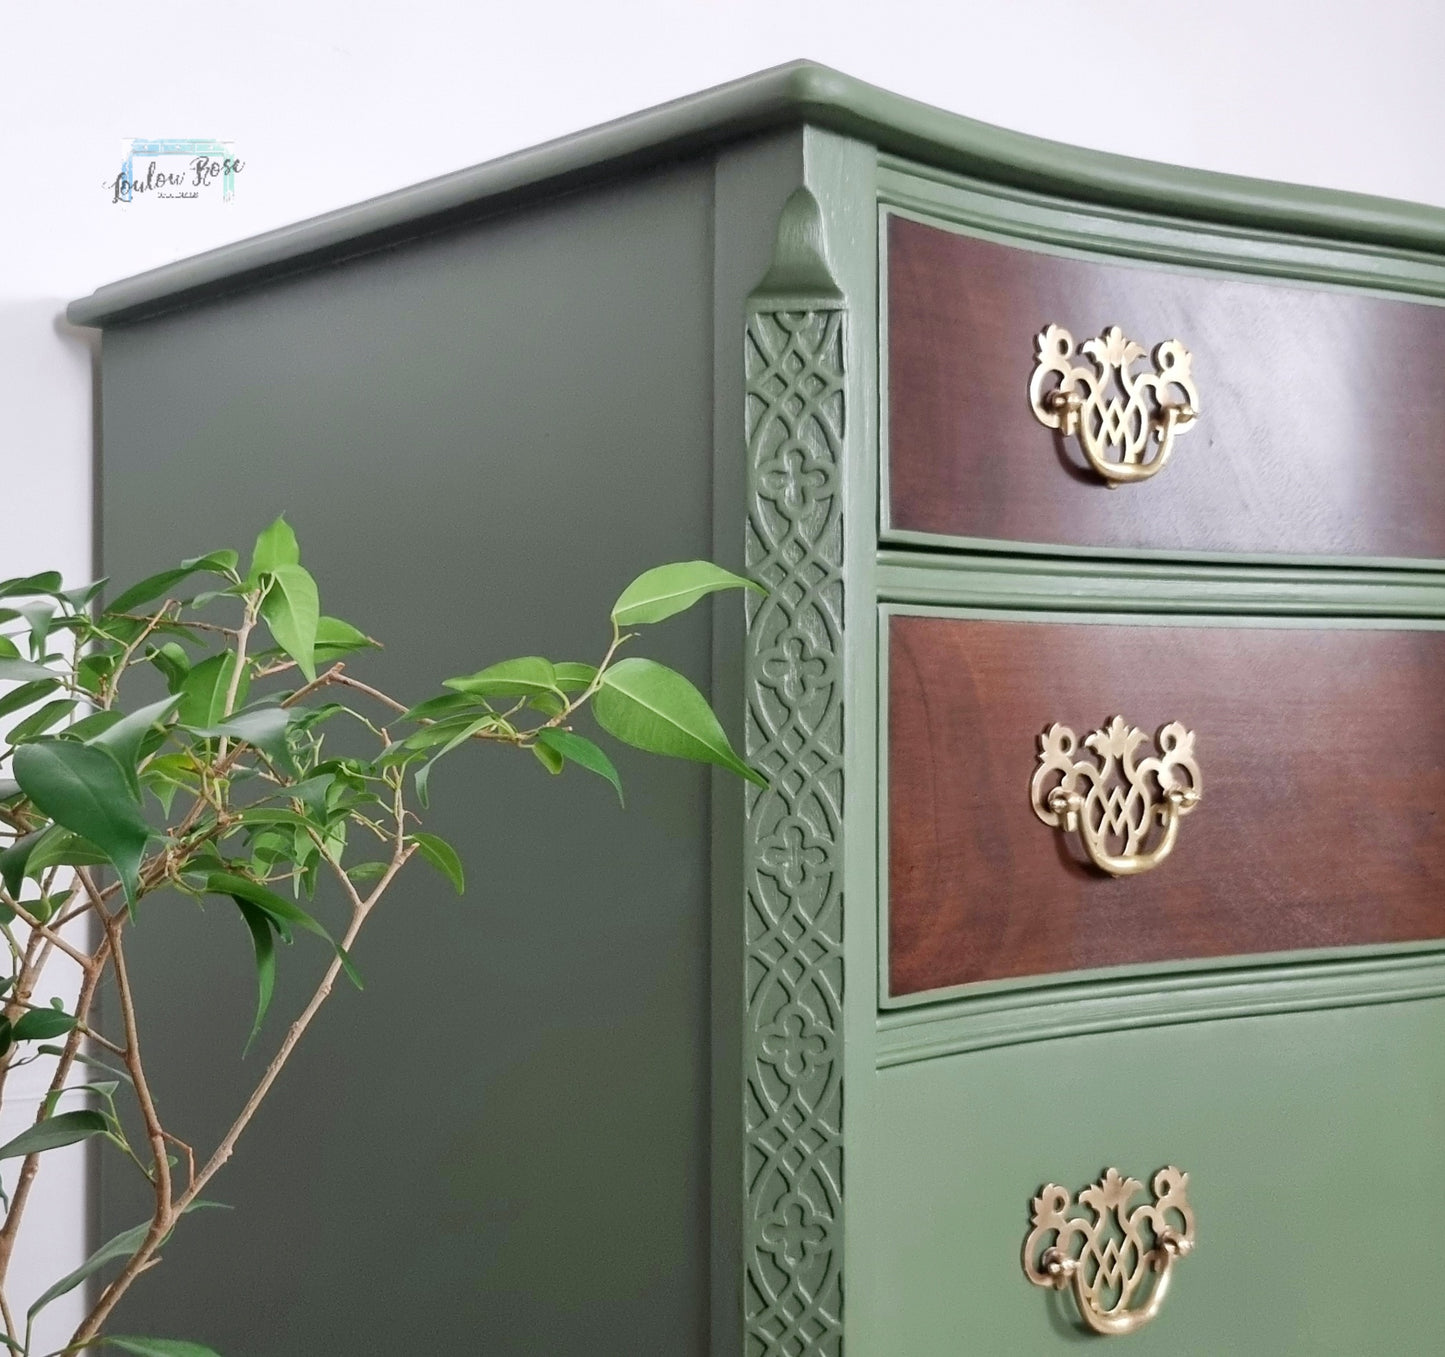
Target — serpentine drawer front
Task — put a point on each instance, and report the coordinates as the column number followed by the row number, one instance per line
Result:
column 1322, row 759
column 1318, row 429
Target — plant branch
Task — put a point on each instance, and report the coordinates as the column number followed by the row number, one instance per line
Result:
column 31, row 1164
column 164, row 1218
column 164, row 1222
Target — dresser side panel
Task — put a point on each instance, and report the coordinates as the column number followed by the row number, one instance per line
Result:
column 501, row 1146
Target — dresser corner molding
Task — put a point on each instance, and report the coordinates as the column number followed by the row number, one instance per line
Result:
column 794, row 355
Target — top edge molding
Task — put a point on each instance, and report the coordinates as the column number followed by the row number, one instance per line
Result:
column 800, row 92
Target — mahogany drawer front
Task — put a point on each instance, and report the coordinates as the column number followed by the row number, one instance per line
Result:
column 1322, row 821
column 1319, row 429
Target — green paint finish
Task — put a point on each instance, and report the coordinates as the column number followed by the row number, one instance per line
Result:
column 799, row 93
column 487, row 397
column 479, row 440
column 1095, row 585
column 793, row 980
column 1157, row 996
column 1129, row 235
column 1309, row 1173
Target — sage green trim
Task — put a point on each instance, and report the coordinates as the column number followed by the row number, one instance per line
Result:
column 795, row 356
column 1069, row 1010
column 1147, row 240
column 841, row 172
column 930, row 541
column 751, row 182
column 791, row 95
column 1096, row 585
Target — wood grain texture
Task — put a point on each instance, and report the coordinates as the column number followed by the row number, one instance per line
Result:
column 1323, row 758
column 1320, row 430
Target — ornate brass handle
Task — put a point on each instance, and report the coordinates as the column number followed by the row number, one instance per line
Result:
column 1114, row 800
column 1111, row 408
column 1104, row 1260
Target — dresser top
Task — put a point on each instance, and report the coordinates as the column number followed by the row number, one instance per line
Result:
column 801, row 92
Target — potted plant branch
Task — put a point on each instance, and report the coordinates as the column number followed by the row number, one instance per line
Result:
column 239, row 787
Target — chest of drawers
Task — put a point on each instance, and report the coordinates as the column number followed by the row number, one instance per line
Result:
column 823, row 1070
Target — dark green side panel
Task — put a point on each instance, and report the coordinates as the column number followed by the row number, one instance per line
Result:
column 501, row 1146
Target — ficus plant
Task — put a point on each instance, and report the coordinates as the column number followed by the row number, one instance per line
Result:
column 242, row 788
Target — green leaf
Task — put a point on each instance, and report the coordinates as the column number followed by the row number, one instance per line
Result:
column 8, row 649
column 58, row 847
column 38, row 722
column 161, row 1347
column 423, row 775
column 669, row 589
column 549, row 704
column 85, row 789
column 27, row 694
column 448, row 704
column 281, row 912
column 442, row 856
column 14, row 859
column 264, row 941
column 123, row 738
column 173, row 662
column 312, row 792
column 41, row 617
column 581, row 751
column 274, row 815
column 293, row 612
column 511, row 678
column 277, row 908
column 90, row 726
column 40, row 1024
column 335, row 638
column 652, row 707
column 78, row 598
column 275, row 546
column 94, row 670
column 216, row 563
column 123, row 1245
column 166, row 774
column 48, row 582
column 203, row 690
column 263, row 727
column 85, row 1059
column 15, row 671
column 466, row 723
column 550, row 759
column 573, row 677
column 67, row 1128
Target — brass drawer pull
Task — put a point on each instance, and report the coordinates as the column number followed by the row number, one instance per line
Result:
column 1111, row 801
column 1105, row 1259
column 1084, row 401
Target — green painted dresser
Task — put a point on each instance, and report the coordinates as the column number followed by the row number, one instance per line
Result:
column 1081, row 970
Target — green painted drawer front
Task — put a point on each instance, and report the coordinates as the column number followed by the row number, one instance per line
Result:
column 1316, row 1194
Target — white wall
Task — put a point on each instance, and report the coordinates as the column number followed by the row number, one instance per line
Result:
column 332, row 101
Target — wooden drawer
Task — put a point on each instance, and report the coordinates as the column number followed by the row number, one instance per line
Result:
column 1307, row 1138
column 1322, row 755
column 1319, row 429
